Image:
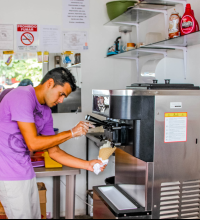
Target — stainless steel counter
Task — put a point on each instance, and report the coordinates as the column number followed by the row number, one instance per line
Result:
column 64, row 171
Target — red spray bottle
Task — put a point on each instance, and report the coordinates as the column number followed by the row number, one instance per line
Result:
column 188, row 21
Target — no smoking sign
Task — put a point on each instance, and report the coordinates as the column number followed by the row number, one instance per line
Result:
column 27, row 38
column 27, row 35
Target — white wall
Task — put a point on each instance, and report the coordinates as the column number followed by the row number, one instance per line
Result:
column 97, row 72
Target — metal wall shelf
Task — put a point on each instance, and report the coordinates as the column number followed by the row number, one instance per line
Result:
column 183, row 41
column 143, row 12
column 141, row 52
column 164, row 2
column 162, row 46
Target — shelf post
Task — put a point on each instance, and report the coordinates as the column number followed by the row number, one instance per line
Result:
column 185, row 61
column 166, row 25
column 137, row 66
column 138, row 34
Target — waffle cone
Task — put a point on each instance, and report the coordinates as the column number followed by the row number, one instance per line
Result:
column 105, row 153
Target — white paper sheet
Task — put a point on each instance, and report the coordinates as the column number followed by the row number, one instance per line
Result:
column 76, row 14
column 6, row 37
column 75, row 41
column 50, row 38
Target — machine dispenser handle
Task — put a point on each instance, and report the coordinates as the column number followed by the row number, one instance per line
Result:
column 95, row 120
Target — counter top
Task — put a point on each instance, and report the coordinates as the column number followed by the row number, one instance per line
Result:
column 64, row 171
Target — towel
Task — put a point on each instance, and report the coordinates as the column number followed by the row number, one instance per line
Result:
column 97, row 167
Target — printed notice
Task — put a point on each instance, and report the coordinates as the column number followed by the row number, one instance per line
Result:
column 76, row 13
column 6, row 37
column 175, row 127
column 75, row 41
column 50, row 39
column 27, row 38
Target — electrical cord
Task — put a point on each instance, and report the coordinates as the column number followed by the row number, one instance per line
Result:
column 78, row 196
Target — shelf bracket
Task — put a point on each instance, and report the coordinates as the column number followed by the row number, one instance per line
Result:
column 184, row 49
column 165, row 12
column 137, row 64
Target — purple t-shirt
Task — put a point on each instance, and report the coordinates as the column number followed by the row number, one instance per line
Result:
column 20, row 104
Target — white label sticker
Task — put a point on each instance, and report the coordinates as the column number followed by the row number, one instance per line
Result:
column 176, row 105
column 175, row 127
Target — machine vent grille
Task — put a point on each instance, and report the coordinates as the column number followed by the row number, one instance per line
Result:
column 180, row 200
column 170, row 200
column 190, row 201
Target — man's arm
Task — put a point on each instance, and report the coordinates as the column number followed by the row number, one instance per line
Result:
column 38, row 143
column 67, row 160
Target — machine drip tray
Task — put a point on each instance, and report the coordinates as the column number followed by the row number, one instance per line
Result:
column 117, row 198
column 119, row 202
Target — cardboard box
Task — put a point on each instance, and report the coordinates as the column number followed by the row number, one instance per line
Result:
column 43, row 199
column 2, row 212
column 43, row 210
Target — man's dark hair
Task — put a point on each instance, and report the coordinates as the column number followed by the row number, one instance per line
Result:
column 61, row 76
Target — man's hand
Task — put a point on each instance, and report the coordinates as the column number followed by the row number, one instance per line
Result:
column 93, row 162
column 81, row 129
column 67, row 160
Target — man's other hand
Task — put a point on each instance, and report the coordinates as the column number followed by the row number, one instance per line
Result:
column 92, row 163
column 81, row 129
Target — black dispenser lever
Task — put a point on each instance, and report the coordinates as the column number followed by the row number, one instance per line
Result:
column 95, row 120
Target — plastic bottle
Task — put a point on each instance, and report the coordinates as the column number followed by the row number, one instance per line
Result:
column 197, row 24
column 174, row 25
column 188, row 21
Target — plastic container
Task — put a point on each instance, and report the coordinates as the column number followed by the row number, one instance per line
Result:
column 37, row 161
column 197, row 24
column 38, row 164
column 50, row 163
column 56, row 130
column 188, row 21
column 174, row 25
column 116, row 8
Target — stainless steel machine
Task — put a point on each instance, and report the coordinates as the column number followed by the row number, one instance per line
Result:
column 157, row 131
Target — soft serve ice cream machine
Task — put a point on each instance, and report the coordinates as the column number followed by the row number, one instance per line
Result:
column 156, row 129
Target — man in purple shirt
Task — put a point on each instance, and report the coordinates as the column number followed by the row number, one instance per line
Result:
column 26, row 125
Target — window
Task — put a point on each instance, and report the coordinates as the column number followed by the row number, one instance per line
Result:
column 12, row 75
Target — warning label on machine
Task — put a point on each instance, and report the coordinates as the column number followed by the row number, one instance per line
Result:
column 27, row 35
column 176, row 127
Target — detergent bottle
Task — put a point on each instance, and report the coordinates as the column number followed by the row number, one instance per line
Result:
column 197, row 24
column 188, row 21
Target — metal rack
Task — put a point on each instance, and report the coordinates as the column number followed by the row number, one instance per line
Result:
column 142, row 12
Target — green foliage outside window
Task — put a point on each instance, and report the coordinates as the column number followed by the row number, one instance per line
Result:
column 22, row 69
